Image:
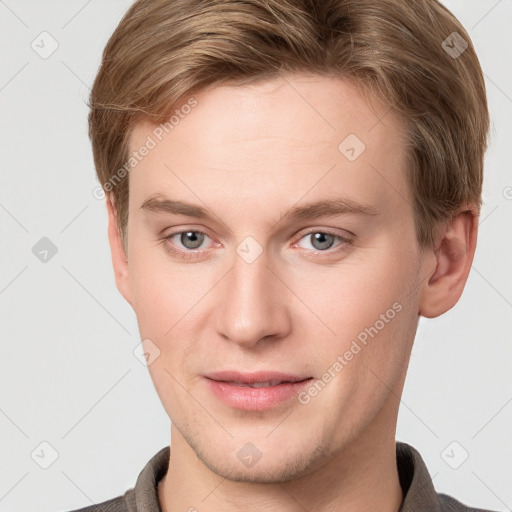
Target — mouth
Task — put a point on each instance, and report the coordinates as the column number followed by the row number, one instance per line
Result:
column 265, row 384
column 260, row 379
column 255, row 391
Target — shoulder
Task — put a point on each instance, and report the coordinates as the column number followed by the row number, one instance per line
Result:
column 418, row 488
column 450, row 504
column 122, row 503
column 144, row 495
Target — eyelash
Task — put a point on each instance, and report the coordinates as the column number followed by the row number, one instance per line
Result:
column 197, row 253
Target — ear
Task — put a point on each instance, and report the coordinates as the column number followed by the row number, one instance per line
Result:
column 453, row 256
column 119, row 259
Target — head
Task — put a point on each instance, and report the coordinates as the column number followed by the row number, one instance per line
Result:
column 265, row 117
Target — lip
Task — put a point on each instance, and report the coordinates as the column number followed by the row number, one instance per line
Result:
column 222, row 385
column 252, row 377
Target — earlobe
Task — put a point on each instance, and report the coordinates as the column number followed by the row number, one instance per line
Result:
column 453, row 255
column 119, row 259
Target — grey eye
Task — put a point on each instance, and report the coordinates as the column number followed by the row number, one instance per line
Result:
column 321, row 241
column 191, row 239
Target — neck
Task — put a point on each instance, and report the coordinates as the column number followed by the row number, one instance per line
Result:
column 363, row 476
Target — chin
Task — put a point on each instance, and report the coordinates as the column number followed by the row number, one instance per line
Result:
column 263, row 474
column 270, row 468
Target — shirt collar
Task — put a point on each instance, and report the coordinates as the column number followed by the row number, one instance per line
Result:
column 417, row 486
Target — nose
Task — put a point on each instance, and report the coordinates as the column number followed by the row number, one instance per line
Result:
column 253, row 303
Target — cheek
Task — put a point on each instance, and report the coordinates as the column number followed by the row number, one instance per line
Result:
column 370, row 309
column 351, row 296
column 170, row 302
column 164, row 292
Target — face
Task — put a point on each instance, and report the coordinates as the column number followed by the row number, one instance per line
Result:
column 297, row 255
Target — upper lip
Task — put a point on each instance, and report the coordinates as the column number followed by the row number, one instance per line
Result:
column 251, row 378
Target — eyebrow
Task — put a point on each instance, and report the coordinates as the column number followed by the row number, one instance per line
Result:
column 326, row 208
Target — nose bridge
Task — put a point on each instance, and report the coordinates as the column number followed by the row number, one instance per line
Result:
column 251, row 307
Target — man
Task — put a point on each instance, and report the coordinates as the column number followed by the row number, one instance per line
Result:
column 290, row 185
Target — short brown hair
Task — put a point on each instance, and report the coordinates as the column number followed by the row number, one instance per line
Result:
column 403, row 51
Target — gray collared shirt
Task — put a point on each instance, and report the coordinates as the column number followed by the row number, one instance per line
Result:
column 419, row 492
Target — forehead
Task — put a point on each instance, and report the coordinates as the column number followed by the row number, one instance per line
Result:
column 283, row 134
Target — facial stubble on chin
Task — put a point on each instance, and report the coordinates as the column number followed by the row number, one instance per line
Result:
column 300, row 466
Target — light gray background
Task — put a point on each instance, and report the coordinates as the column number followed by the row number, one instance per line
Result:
column 68, row 375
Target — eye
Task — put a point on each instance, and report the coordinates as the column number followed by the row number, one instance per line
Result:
column 322, row 240
column 190, row 241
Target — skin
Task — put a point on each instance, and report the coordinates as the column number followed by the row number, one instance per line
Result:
column 248, row 154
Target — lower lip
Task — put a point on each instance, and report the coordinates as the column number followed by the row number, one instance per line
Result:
column 255, row 399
